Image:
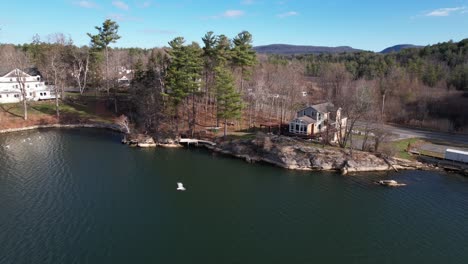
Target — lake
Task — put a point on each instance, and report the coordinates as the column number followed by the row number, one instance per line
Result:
column 79, row 196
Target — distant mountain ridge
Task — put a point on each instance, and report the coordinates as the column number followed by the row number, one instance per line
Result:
column 285, row 49
column 399, row 47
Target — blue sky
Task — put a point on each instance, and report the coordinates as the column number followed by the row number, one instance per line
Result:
column 364, row 24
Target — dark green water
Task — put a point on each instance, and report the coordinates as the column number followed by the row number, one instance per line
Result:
column 79, row 196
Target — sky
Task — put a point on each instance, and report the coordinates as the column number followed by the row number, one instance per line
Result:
column 364, row 24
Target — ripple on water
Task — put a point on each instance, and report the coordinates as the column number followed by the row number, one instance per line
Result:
column 79, row 196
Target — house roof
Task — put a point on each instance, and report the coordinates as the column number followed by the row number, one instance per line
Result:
column 306, row 119
column 11, row 73
column 323, row 108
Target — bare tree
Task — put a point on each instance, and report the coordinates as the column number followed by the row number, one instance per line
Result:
column 80, row 66
column 357, row 103
column 53, row 65
column 19, row 61
column 334, row 78
column 124, row 122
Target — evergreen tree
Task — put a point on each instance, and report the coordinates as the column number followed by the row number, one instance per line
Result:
column 229, row 100
column 243, row 56
column 183, row 77
column 107, row 34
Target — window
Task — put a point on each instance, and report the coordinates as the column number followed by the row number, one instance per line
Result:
column 30, row 94
column 28, row 85
column 320, row 126
column 297, row 127
column 0, row 96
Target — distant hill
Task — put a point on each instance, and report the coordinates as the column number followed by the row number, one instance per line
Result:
column 284, row 49
column 397, row 48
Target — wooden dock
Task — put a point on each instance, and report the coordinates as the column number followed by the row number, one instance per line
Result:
column 189, row 141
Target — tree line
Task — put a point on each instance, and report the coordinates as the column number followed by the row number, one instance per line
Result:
column 221, row 81
column 418, row 86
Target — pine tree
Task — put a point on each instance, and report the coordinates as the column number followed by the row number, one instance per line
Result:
column 183, row 77
column 229, row 100
column 107, row 34
column 243, row 56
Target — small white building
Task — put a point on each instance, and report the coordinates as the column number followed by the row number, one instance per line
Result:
column 12, row 82
column 456, row 155
column 316, row 119
column 123, row 81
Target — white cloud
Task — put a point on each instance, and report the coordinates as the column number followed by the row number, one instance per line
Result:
column 233, row 13
column 227, row 14
column 442, row 12
column 288, row 14
column 120, row 5
column 123, row 18
column 86, row 4
column 146, row 4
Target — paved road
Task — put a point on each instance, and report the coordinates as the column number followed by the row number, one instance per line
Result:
column 405, row 132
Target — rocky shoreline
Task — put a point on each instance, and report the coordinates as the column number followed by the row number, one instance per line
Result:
column 112, row 127
column 281, row 151
column 292, row 154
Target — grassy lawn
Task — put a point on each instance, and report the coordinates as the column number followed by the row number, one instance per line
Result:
column 74, row 111
column 401, row 146
column 432, row 154
column 92, row 111
column 238, row 135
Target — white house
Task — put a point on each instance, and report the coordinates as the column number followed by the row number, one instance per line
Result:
column 12, row 82
column 317, row 119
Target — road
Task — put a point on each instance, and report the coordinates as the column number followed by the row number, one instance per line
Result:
column 405, row 132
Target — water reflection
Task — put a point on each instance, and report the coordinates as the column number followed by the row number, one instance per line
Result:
column 79, row 196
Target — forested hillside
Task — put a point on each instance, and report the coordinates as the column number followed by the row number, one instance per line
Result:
column 284, row 49
column 424, row 86
column 186, row 86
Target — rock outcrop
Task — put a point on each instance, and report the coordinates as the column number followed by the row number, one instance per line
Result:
column 289, row 153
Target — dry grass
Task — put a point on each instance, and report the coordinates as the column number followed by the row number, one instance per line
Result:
column 42, row 113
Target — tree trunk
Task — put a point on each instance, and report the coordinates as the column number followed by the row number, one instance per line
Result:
column 22, row 86
column 225, row 127
column 107, row 70
column 194, row 114
column 57, row 111
column 25, row 108
column 383, row 105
